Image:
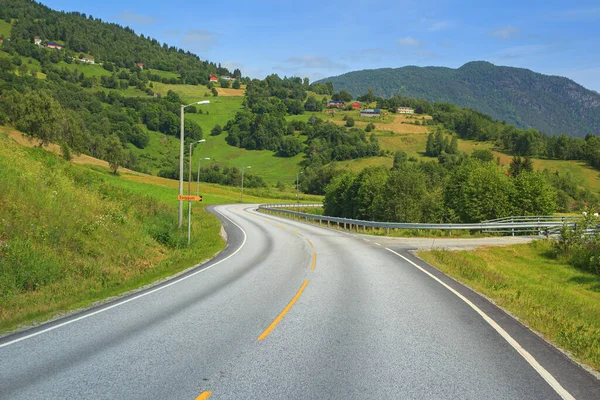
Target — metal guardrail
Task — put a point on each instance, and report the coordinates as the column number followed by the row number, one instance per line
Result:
column 541, row 225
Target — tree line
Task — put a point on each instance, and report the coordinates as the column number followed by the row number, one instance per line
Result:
column 470, row 191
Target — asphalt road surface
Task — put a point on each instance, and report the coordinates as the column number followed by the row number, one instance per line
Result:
column 291, row 310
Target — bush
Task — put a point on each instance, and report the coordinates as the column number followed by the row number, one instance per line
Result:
column 350, row 122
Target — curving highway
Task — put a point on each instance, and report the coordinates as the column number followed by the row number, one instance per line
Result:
column 291, row 310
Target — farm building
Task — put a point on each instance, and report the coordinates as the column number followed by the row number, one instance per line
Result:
column 140, row 65
column 356, row 105
column 337, row 104
column 53, row 45
column 405, row 110
column 227, row 78
column 37, row 41
column 87, row 60
column 213, row 78
column 370, row 112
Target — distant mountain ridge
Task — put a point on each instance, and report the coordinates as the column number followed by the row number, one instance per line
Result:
column 551, row 104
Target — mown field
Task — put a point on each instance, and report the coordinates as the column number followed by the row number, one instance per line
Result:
column 548, row 295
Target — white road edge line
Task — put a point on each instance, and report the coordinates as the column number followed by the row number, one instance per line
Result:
column 135, row 297
column 562, row 392
column 377, row 244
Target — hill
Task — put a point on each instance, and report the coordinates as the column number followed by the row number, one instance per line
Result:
column 551, row 104
column 106, row 42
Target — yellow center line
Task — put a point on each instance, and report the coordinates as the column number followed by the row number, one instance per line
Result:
column 204, row 395
column 268, row 331
column 311, row 245
column 314, row 263
column 281, row 226
column 297, row 233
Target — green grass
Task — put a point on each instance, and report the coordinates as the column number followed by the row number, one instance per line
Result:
column 551, row 297
column 118, row 233
column 164, row 74
column 189, row 92
column 89, row 70
column 263, row 162
column 5, row 28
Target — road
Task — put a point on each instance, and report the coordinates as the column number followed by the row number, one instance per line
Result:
column 291, row 310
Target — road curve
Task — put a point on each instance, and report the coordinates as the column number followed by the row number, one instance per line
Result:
column 291, row 310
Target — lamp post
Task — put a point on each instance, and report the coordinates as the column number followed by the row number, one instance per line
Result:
column 198, row 176
column 242, row 194
column 297, row 176
column 190, row 190
column 181, row 137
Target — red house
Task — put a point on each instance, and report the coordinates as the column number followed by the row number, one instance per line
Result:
column 140, row 65
column 213, row 78
column 53, row 45
column 356, row 105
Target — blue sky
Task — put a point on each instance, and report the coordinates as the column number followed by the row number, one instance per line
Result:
column 319, row 38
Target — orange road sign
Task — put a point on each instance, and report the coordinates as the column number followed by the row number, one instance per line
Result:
column 189, row 198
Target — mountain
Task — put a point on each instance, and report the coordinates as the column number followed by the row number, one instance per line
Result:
column 551, row 104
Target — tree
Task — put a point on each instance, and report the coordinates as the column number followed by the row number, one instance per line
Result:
column 224, row 83
column 114, row 153
column 236, row 84
column 400, row 158
column 214, row 92
column 312, row 104
column 534, row 194
column 453, row 147
column 216, row 130
column 484, row 155
column 477, row 191
column 349, row 122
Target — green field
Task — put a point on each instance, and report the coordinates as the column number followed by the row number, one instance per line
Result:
column 5, row 28
column 164, row 74
column 264, row 163
column 190, row 93
column 89, row 70
column 553, row 298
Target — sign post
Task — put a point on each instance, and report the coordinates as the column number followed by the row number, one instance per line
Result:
column 189, row 199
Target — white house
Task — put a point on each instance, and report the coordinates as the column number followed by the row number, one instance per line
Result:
column 405, row 110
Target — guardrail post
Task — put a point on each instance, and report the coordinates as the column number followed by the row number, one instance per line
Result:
column 387, row 231
column 513, row 229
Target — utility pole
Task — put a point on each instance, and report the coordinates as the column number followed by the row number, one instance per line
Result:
column 242, row 193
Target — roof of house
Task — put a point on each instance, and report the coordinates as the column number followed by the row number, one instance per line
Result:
column 53, row 44
column 371, row 111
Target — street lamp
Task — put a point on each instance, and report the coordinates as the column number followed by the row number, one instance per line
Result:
column 198, row 176
column 190, row 190
column 297, row 176
column 242, row 194
column 181, row 137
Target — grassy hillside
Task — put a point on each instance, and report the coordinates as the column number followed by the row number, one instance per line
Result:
column 5, row 28
column 551, row 104
column 117, row 233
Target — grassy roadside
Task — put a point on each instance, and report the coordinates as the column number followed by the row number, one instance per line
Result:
column 72, row 235
column 551, row 297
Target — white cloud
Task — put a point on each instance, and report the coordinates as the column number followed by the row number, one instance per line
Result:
column 130, row 17
column 199, row 39
column 408, row 41
column 506, row 32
